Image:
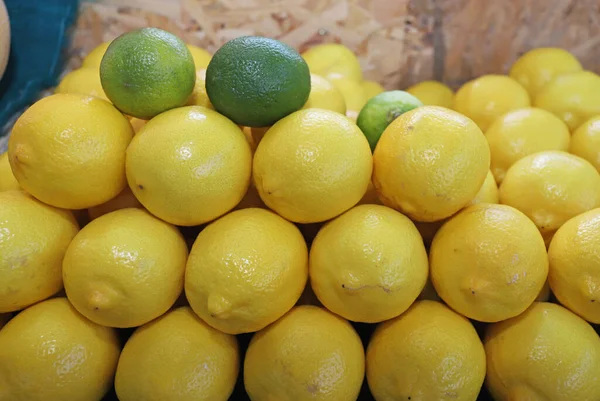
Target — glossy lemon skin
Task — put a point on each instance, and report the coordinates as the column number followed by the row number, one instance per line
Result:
column 433, row 93
column 522, row 132
column 312, row 165
column 429, row 163
column 309, row 354
column 585, row 141
column 72, row 160
column 441, row 346
column 324, row 95
column 85, row 81
column 574, row 255
column 7, row 179
column 332, row 59
column 547, row 353
column 189, row 360
column 33, row 240
column 488, row 262
column 488, row 97
column 125, row 268
column 246, row 270
column 550, row 188
column 369, row 264
column 534, row 69
column 189, row 165
column 201, row 57
column 94, row 58
column 49, row 352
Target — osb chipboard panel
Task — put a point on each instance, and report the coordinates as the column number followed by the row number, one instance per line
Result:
column 399, row 42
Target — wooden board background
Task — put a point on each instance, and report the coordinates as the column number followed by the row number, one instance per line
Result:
column 399, row 42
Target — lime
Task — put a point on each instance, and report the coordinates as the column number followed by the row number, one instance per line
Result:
column 381, row 110
column 147, row 71
column 257, row 81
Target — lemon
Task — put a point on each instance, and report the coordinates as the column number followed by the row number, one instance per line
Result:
column 537, row 67
column 308, row 354
column 324, row 95
column 199, row 97
column 94, row 58
column 85, row 81
column 574, row 256
column 246, row 270
column 522, row 132
column 354, row 94
column 430, row 162
column 432, row 93
column 488, row 97
column 189, row 165
column 332, row 59
column 585, row 142
column 370, row 197
column 49, row 352
column 369, row 264
column 574, row 97
column 442, row 349
column 201, row 57
column 177, row 357
column 489, row 262
column 551, row 187
column 488, row 193
column 33, row 240
column 124, row 200
column 7, row 178
column 147, row 71
column 547, row 353
column 312, row 165
column 74, row 159
column 372, row 88
column 256, row 81
column 125, row 268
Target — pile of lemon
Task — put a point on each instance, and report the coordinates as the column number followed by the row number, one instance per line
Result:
column 447, row 241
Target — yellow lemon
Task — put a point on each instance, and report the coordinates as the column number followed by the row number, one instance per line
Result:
column 547, row 353
column 333, row 59
column 125, row 268
column 124, row 200
column 49, row 352
column 324, row 95
column 201, row 57
column 84, row 81
column 199, row 97
column 372, row 88
column 522, row 132
column 308, row 354
column 445, row 355
column 189, row 165
column 370, row 197
column 312, row 166
column 7, row 178
column 488, row 97
column 430, row 162
column 489, row 262
column 33, row 240
column 369, row 264
column 551, row 187
column 585, row 142
column 574, row 97
column 432, row 93
column 574, row 256
column 537, row 67
column 246, row 270
column 354, row 94
column 94, row 58
column 68, row 150
column 189, row 360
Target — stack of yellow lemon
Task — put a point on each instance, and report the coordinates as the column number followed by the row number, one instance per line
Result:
column 424, row 266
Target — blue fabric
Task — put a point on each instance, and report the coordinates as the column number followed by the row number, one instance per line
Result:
column 39, row 37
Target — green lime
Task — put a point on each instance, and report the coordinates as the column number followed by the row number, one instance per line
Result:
column 257, row 81
column 147, row 71
column 381, row 110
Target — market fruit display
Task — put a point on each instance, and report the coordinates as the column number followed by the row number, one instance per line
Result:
column 252, row 222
